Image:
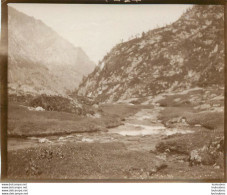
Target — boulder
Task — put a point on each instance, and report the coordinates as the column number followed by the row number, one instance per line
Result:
column 39, row 108
column 211, row 154
column 201, row 156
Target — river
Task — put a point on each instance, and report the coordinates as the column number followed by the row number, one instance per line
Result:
column 134, row 129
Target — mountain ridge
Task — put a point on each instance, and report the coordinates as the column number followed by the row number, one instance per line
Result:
column 40, row 60
column 185, row 54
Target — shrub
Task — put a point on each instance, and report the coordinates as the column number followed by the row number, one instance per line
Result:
column 55, row 103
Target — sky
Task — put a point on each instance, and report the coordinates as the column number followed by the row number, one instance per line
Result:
column 98, row 28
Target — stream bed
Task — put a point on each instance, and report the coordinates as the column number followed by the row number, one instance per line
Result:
column 134, row 129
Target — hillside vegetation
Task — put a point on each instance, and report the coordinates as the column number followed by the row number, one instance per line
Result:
column 182, row 55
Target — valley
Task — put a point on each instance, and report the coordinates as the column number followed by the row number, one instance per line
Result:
column 144, row 141
column 152, row 109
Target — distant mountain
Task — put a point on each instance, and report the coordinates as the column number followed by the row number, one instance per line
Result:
column 185, row 54
column 40, row 61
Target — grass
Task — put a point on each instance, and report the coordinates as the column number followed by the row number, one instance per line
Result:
column 77, row 160
column 182, row 105
column 209, row 120
column 183, row 144
column 23, row 122
column 113, row 160
column 99, row 161
column 169, row 101
column 120, row 110
column 174, row 112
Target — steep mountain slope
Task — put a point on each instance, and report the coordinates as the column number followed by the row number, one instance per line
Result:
column 40, row 61
column 185, row 54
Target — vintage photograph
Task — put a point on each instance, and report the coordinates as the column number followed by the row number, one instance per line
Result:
column 115, row 92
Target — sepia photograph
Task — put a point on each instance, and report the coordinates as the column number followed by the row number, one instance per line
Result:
column 115, row 92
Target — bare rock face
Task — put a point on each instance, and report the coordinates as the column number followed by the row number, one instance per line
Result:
column 40, row 61
column 185, row 54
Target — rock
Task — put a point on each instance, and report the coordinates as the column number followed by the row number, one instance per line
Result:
column 213, row 95
column 220, row 145
column 36, row 109
column 179, row 121
column 203, row 157
column 216, row 105
column 157, row 168
column 69, row 136
column 219, row 98
column 175, row 120
column 162, row 156
column 96, row 106
column 44, row 140
column 96, row 115
column 177, row 99
column 39, row 108
column 209, row 154
column 61, row 138
column 195, row 158
column 183, row 120
column 87, row 140
column 205, row 106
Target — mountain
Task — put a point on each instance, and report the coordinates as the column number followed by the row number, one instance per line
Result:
column 40, row 61
column 185, row 54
